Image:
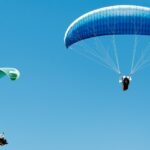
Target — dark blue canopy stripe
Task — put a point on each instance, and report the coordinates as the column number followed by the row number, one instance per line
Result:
column 123, row 19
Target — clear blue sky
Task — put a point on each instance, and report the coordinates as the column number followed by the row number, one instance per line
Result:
column 63, row 101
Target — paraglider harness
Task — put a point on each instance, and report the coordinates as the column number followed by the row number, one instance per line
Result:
column 3, row 141
column 125, row 80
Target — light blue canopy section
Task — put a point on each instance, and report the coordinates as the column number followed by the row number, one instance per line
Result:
column 120, row 19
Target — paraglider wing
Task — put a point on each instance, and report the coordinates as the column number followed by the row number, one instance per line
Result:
column 121, row 19
column 12, row 73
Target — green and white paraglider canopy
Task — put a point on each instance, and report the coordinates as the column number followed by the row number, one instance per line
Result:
column 12, row 73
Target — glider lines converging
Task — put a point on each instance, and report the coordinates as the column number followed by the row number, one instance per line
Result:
column 111, row 21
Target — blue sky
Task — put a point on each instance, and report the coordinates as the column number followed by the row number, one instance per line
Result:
column 63, row 101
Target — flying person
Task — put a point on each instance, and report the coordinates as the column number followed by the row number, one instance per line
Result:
column 125, row 80
column 3, row 141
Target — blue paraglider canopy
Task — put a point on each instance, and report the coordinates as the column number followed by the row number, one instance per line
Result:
column 91, row 32
column 113, row 20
